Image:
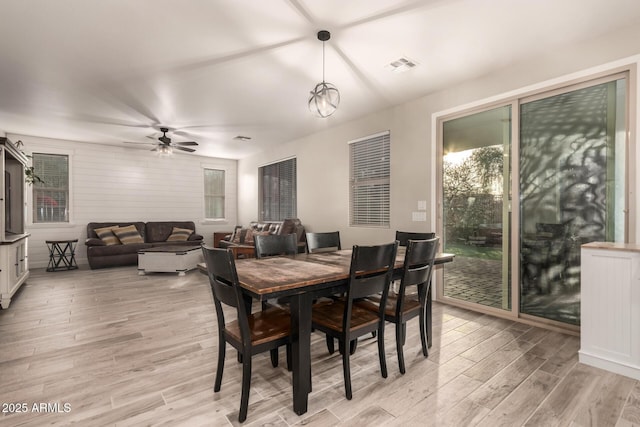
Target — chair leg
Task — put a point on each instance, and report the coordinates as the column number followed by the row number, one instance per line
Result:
column 220, row 370
column 289, row 361
column 246, row 386
column 400, row 338
column 330, row 346
column 423, row 333
column 381, row 355
column 274, row 357
column 353, row 345
column 404, row 333
column 347, row 373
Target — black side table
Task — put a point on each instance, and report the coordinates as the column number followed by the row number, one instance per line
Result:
column 62, row 255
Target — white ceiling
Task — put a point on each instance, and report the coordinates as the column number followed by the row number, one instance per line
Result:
column 109, row 71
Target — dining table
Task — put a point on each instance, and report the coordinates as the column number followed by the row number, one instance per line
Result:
column 301, row 279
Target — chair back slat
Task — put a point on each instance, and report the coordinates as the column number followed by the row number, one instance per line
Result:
column 404, row 236
column 323, row 242
column 275, row 244
column 370, row 273
column 223, row 278
column 417, row 268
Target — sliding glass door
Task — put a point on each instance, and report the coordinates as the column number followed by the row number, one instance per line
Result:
column 475, row 177
column 565, row 154
column 572, row 191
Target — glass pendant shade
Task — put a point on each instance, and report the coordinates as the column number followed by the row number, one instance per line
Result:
column 164, row 150
column 324, row 99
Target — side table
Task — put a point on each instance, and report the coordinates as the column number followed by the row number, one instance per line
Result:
column 62, row 254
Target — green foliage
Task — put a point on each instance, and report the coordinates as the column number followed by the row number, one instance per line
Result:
column 469, row 192
column 30, row 176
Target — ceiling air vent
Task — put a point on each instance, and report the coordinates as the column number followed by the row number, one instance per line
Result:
column 401, row 64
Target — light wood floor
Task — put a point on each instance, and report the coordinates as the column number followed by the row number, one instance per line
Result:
column 126, row 350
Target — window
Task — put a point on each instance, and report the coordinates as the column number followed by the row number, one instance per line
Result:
column 278, row 191
column 51, row 196
column 214, row 194
column 369, row 196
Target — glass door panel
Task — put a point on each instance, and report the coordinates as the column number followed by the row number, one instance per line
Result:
column 572, row 191
column 476, row 217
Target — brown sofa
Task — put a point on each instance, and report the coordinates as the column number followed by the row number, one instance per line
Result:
column 241, row 236
column 156, row 233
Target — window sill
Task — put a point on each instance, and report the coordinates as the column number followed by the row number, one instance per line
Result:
column 51, row 225
column 214, row 221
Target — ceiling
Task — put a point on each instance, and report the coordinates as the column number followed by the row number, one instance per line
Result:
column 114, row 71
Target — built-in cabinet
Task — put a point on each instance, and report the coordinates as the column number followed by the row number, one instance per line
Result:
column 610, row 298
column 14, row 265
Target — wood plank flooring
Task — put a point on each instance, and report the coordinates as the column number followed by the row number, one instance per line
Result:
column 111, row 348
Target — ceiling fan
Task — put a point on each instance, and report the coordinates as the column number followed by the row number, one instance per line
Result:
column 165, row 146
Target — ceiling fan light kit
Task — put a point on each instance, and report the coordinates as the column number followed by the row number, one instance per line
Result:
column 325, row 97
column 165, row 146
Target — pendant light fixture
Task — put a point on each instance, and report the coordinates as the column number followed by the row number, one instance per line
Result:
column 325, row 97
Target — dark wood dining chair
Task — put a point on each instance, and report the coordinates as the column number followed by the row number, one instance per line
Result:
column 400, row 307
column 323, row 242
column 275, row 244
column 404, row 236
column 370, row 273
column 250, row 334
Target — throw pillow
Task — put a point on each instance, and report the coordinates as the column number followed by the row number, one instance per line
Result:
column 179, row 234
column 128, row 235
column 248, row 237
column 107, row 236
column 237, row 235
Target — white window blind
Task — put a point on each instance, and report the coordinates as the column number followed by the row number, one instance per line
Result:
column 370, row 168
column 214, row 194
column 51, row 196
column 278, row 191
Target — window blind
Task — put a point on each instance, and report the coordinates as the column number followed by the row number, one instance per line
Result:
column 369, row 196
column 278, row 191
column 51, row 196
column 214, row 194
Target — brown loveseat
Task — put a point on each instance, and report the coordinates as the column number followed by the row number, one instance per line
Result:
column 244, row 236
column 101, row 255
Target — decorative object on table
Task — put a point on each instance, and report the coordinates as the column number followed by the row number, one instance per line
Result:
column 62, row 254
column 325, row 97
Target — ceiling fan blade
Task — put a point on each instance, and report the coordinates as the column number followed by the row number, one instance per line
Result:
column 138, row 143
column 189, row 150
column 185, row 143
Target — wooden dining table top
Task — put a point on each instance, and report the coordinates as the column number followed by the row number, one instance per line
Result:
column 268, row 276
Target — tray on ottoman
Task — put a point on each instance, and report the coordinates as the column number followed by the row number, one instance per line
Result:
column 169, row 259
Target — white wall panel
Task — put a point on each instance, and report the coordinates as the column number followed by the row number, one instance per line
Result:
column 128, row 184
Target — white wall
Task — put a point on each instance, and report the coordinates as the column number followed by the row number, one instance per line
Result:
column 323, row 160
column 120, row 184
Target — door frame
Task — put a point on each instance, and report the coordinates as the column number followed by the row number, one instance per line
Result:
column 515, row 100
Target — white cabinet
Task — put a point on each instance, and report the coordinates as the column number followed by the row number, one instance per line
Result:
column 610, row 307
column 14, row 267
